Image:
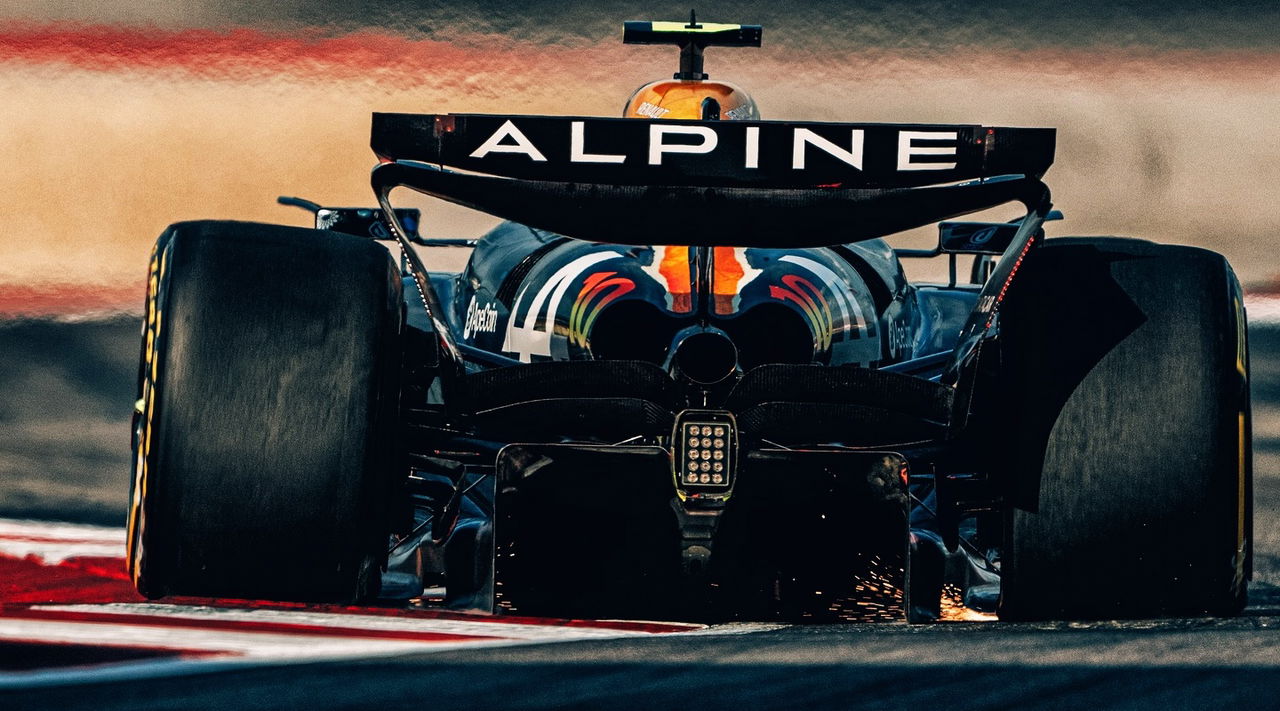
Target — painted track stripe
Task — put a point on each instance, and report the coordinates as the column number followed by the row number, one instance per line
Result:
column 260, row 645
column 68, row 541
column 1262, row 309
column 61, row 531
column 235, row 650
column 55, row 543
column 64, row 584
column 637, row 626
column 167, row 650
column 504, row 621
column 456, row 624
column 56, row 553
column 229, row 623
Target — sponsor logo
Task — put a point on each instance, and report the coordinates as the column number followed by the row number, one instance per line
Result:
column 911, row 145
column 648, row 109
column 899, row 338
column 983, row 235
column 480, row 319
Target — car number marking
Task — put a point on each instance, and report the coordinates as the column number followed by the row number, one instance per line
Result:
column 526, row 339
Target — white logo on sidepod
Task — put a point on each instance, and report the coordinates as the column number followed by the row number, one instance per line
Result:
column 480, row 319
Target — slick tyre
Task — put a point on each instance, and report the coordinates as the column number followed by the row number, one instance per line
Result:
column 1126, row 398
column 267, row 399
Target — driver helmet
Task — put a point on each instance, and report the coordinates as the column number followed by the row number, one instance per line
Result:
column 696, row 99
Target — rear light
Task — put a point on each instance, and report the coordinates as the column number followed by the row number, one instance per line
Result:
column 705, row 452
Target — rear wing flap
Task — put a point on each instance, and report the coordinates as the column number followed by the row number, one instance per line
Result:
column 768, row 154
column 739, row 183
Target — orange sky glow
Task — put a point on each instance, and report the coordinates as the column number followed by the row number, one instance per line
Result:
column 112, row 132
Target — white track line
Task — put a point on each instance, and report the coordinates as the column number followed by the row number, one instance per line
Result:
column 481, row 627
column 55, row 543
column 67, row 531
column 255, row 649
column 50, row 553
column 251, row 648
column 187, row 627
column 1263, row 310
column 244, row 649
column 260, row 645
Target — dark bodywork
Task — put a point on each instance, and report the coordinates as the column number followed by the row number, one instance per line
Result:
column 553, row 383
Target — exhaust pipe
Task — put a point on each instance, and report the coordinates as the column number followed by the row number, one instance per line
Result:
column 705, row 357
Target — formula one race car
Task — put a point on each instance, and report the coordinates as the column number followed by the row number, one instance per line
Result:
column 688, row 378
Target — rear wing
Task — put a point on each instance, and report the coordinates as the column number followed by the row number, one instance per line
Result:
column 730, row 183
column 717, row 183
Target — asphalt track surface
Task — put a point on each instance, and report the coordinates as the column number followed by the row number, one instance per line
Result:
column 1163, row 664
column 1166, row 665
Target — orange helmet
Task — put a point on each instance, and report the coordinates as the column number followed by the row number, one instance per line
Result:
column 691, row 99
column 689, row 95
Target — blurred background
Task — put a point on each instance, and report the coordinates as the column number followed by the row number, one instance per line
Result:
column 119, row 118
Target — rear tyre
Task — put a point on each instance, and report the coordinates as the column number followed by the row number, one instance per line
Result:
column 1127, row 403
column 263, row 461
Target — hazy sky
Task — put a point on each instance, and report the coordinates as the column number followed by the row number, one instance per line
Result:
column 1026, row 24
column 122, row 117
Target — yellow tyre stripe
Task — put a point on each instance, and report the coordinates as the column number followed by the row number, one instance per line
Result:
column 146, row 406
